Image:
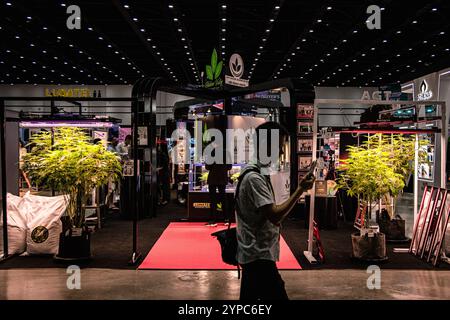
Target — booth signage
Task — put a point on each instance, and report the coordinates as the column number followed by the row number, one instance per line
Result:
column 201, row 205
column 214, row 72
column 376, row 95
column 236, row 66
column 425, row 93
column 72, row 93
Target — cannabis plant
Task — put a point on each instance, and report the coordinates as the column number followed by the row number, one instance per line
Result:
column 377, row 168
column 71, row 165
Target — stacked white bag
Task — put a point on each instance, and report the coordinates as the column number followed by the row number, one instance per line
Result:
column 34, row 224
column 17, row 226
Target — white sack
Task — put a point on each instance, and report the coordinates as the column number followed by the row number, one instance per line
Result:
column 17, row 226
column 43, row 222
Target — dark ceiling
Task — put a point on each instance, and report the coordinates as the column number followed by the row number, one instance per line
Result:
column 323, row 42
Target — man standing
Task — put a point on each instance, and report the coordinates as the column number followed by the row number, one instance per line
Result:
column 123, row 148
column 258, row 221
column 217, row 182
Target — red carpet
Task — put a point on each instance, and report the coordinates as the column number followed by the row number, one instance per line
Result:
column 190, row 246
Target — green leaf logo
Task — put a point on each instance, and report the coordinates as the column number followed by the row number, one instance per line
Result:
column 214, row 70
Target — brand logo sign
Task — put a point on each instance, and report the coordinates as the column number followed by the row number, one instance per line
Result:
column 201, row 205
column 72, row 93
column 425, row 93
column 236, row 66
column 214, row 72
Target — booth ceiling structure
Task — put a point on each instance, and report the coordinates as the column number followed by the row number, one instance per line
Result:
column 324, row 42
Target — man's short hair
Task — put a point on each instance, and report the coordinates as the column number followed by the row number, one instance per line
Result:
column 265, row 139
column 269, row 126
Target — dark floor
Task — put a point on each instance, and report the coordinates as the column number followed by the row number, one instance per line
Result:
column 112, row 245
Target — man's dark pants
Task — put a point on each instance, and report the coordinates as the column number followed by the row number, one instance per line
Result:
column 261, row 280
column 217, row 194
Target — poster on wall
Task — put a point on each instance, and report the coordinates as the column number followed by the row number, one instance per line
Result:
column 304, row 128
column 304, row 145
column 128, row 168
column 305, row 111
column 143, row 136
column 304, row 162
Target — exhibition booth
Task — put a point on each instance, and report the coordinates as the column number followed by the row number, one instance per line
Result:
column 164, row 129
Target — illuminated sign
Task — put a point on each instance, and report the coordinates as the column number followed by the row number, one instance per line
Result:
column 214, row 72
column 72, row 93
column 425, row 93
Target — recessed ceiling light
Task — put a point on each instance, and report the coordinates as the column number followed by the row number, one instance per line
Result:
column 425, row 41
column 29, row 18
column 224, row 6
column 303, row 40
column 355, row 31
column 142, row 30
column 90, row 29
column 45, row 28
column 170, row 6
column 414, row 22
column 442, row 32
column 271, row 20
column 9, row 4
column 434, row 9
column 345, row 40
column 319, row 20
column 126, row 6
column 277, row 7
column 17, row 37
column 135, row 19
column 384, row 41
column 329, row 8
column 224, row 19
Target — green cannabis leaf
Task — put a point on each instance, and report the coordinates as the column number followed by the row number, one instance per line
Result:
column 209, row 73
column 218, row 71
column 214, row 60
column 214, row 70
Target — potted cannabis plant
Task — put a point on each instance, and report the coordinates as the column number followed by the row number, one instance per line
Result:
column 400, row 150
column 68, row 163
column 369, row 175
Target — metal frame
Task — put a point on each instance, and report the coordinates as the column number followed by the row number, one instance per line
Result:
column 443, row 144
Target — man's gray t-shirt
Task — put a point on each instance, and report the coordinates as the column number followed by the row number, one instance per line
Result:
column 258, row 238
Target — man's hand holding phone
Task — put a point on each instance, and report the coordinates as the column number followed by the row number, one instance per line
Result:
column 308, row 181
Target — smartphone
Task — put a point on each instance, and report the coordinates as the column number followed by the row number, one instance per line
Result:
column 312, row 169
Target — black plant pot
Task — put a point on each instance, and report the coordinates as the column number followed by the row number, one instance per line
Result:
column 74, row 245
